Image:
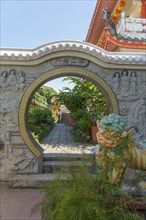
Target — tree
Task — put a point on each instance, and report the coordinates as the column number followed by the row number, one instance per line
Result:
column 44, row 94
column 85, row 97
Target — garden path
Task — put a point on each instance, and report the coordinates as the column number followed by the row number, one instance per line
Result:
column 61, row 140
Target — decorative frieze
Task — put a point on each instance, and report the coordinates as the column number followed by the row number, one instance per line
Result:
column 126, row 85
column 12, row 80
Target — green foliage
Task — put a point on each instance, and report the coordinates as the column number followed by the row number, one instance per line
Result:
column 72, row 101
column 84, row 195
column 80, row 113
column 84, row 101
column 82, row 118
column 44, row 94
column 40, row 122
column 84, row 125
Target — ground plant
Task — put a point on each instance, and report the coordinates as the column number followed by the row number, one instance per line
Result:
column 85, row 195
column 40, row 122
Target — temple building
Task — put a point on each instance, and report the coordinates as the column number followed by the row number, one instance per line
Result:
column 119, row 25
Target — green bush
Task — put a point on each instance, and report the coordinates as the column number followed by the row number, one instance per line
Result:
column 84, row 125
column 82, row 118
column 40, row 122
column 80, row 113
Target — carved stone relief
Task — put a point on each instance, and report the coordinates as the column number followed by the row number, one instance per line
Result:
column 20, row 159
column 9, row 102
column 139, row 111
column 126, row 85
column 124, row 109
column 9, row 107
column 137, row 133
column 135, row 114
column 7, row 120
column 12, row 80
column 6, row 150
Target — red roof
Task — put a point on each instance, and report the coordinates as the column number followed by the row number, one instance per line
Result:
column 97, row 23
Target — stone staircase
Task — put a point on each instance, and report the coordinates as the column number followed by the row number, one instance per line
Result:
column 64, row 162
column 53, row 163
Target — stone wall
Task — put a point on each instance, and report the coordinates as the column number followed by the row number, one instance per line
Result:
column 121, row 78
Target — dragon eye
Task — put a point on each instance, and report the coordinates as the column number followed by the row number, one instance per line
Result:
column 114, row 134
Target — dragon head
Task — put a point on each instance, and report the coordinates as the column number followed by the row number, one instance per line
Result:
column 112, row 130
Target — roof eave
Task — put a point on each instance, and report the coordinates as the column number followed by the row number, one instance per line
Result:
column 97, row 23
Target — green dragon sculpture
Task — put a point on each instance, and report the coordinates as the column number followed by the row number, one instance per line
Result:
column 115, row 145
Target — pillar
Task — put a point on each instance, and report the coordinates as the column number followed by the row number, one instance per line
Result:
column 143, row 9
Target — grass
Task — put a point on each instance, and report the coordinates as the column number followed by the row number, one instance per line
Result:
column 85, row 196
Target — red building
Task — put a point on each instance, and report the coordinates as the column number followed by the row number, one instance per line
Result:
column 119, row 25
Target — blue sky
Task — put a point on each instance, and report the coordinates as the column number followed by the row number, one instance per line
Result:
column 31, row 23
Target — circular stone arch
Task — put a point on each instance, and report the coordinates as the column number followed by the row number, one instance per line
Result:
column 50, row 75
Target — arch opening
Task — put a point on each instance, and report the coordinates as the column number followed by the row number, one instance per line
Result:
column 48, row 76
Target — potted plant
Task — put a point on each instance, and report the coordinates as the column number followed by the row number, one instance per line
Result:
column 94, row 130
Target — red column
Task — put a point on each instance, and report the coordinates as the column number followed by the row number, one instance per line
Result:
column 143, row 9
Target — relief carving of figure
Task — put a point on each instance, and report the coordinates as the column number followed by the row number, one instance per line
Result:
column 21, row 80
column 125, row 83
column 116, row 82
column 12, row 80
column 133, row 82
column 3, row 79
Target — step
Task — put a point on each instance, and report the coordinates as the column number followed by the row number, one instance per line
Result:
column 66, row 156
column 62, row 166
column 33, row 180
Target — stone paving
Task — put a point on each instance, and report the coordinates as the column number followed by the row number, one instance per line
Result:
column 60, row 140
column 16, row 204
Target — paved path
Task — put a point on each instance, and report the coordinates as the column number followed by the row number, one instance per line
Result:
column 60, row 140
